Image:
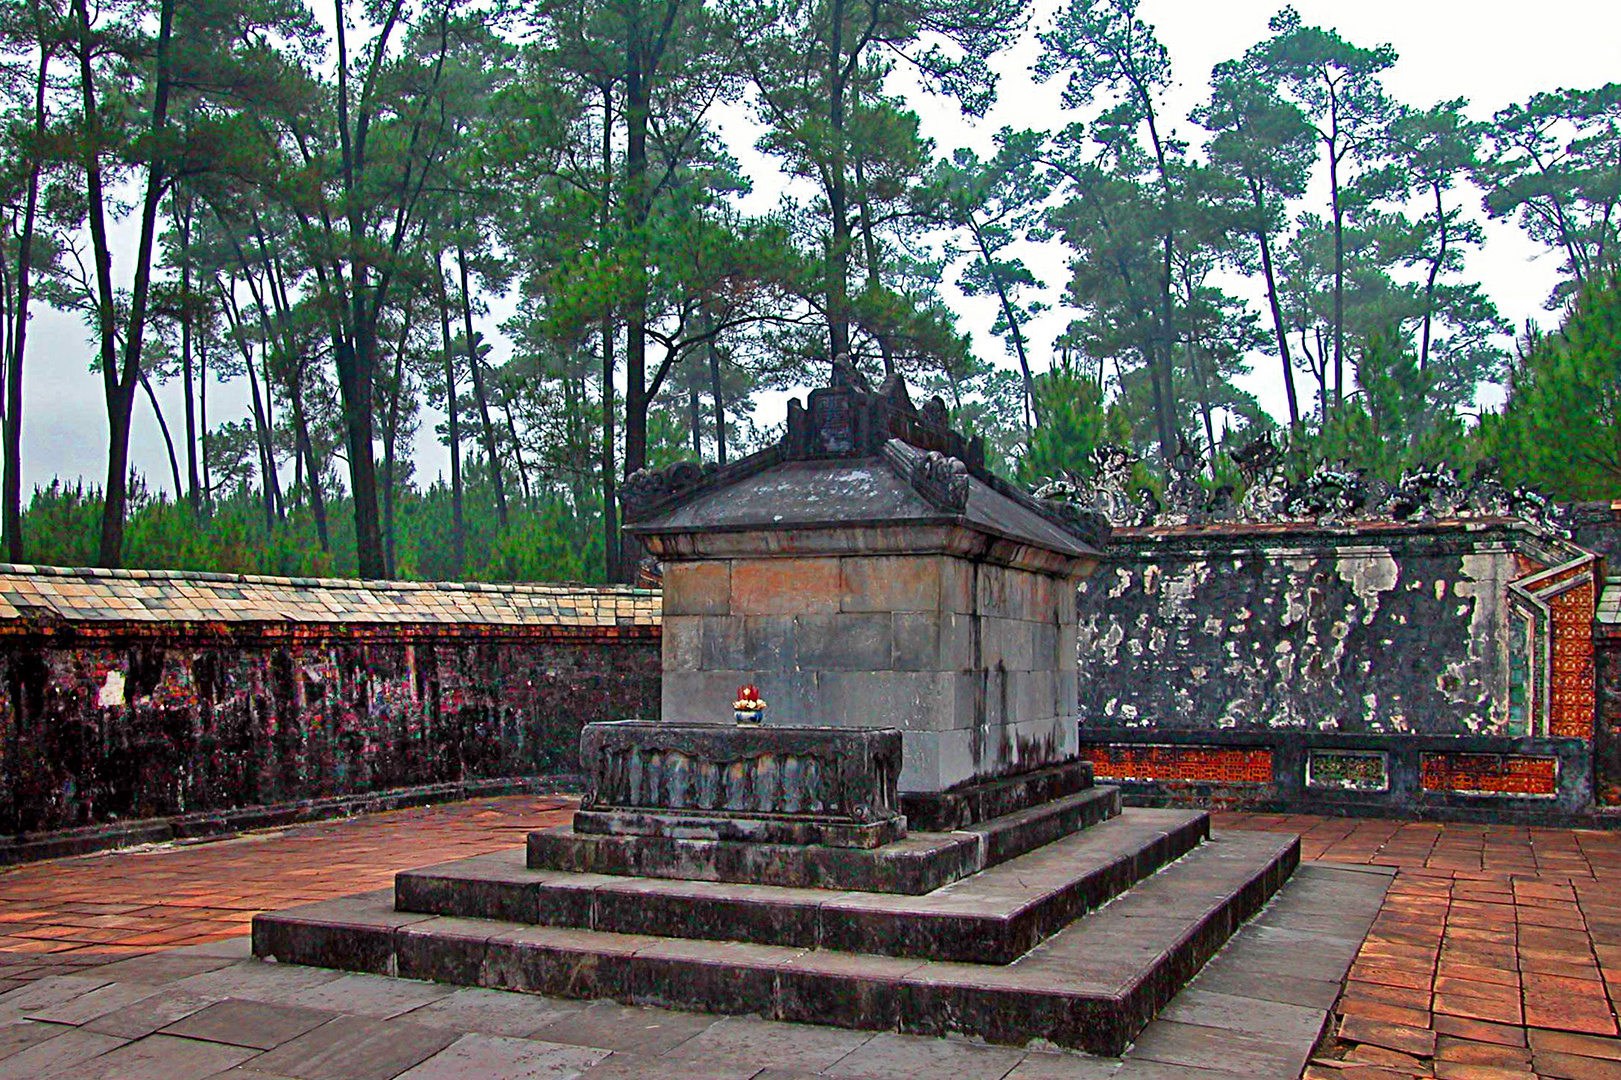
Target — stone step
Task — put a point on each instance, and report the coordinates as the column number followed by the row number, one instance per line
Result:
column 991, row 917
column 1091, row 987
column 920, row 863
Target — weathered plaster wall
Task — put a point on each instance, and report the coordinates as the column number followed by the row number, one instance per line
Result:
column 1395, row 635
column 1430, row 667
column 98, row 724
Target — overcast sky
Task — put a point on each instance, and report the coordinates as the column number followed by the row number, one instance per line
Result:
column 1492, row 54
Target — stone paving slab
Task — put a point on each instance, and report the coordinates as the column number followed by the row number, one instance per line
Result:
column 181, row 892
column 255, row 1040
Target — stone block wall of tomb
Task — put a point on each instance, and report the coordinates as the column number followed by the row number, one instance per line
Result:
column 974, row 662
column 1441, row 668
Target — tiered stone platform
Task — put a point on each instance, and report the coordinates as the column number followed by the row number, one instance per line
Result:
column 910, row 620
column 1069, row 921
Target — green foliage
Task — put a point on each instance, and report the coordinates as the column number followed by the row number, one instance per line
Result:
column 1076, row 421
column 1560, row 429
column 1393, row 422
column 546, row 542
column 334, row 226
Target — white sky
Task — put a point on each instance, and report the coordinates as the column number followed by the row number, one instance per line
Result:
column 1490, row 53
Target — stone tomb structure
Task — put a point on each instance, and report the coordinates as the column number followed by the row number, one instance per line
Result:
column 910, row 842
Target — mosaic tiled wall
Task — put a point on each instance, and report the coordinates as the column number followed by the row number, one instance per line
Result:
column 1348, row 770
column 1572, row 695
column 1490, row 774
column 104, row 726
column 1173, row 764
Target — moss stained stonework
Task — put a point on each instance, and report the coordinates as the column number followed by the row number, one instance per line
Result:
column 1437, row 666
column 130, row 697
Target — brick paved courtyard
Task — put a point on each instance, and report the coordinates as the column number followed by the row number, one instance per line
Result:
column 1497, row 953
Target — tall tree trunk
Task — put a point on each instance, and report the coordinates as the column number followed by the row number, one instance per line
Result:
column 391, row 441
column 870, row 246
column 838, row 255
column 262, row 422
column 182, row 221
column 1339, row 277
column 637, row 107
column 695, row 419
column 458, row 530
column 1265, row 241
column 517, row 450
column 1429, row 284
column 276, row 285
column 119, row 384
column 1164, row 386
column 611, row 549
column 355, row 349
column 715, row 390
column 202, row 415
column 267, row 453
column 478, row 391
column 11, row 522
column 305, row 451
column 1015, row 333
column 168, row 442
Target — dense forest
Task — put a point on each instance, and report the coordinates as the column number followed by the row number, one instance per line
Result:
column 330, row 206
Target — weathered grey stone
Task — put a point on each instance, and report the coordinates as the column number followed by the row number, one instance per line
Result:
column 737, row 782
column 633, row 1029
column 890, row 1055
column 1018, row 640
column 917, row 864
column 352, row 1048
column 253, row 1024
column 163, row 1057
column 844, row 642
column 477, row 1056
column 705, row 697
column 1044, row 647
column 764, row 829
column 749, row 1039
column 769, row 643
column 723, row 642
column 149, row 1014
column 683, row 642
column 65, row 1055
column 474, row 1008
column 906, row 700
column 86, row 1007
column 916, row 641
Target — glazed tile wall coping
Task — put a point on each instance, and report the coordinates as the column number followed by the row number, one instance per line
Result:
column 34, row 595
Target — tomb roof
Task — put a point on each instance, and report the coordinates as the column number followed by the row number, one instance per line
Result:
column 854, row 457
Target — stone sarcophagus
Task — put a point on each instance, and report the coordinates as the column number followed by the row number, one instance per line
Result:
column 781, row 785
column 869, row 571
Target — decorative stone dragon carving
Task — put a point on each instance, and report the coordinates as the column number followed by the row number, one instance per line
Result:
column 645, row 490
column 943, row 480
column 1185, row 497
column 1332, row 494
column 1266, row 489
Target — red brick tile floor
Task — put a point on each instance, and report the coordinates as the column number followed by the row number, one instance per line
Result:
column 84, row 910
column 1496, row 956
